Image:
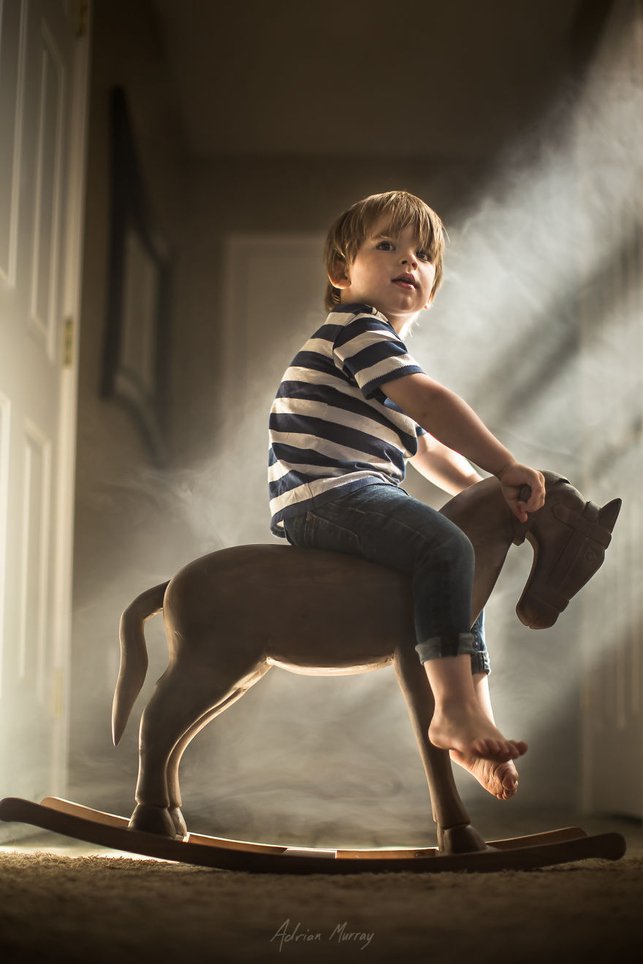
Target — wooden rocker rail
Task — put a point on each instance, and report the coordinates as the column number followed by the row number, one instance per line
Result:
column 109, row 830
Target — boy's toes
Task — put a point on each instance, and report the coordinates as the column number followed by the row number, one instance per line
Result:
column 509, row 779
column 493, row 750
column 520, row 746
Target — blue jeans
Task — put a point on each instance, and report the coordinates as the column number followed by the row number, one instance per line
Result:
column 384, row 524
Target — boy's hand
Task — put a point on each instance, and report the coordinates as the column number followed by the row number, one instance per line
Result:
column 512, row 478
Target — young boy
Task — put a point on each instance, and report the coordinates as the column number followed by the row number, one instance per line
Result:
column 352, row 409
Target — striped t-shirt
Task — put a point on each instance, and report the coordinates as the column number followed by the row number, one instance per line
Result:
column 331, row 425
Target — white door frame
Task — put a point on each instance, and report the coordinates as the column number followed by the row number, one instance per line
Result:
column 36, row 27
column 62, row 589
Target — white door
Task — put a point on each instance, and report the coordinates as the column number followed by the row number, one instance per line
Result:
column 42, row 110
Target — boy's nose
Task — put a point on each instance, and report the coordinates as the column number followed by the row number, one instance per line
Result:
column 410, row 260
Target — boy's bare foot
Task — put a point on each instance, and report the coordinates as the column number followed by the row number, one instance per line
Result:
column 463, row 723
column 499, row 779
column 465, row 727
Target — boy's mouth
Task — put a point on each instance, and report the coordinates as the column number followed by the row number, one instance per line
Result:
column 405, row 280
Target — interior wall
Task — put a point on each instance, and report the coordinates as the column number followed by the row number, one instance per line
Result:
column 298, row 756
column 283, row 196
column 121, row 512
column 610, row 356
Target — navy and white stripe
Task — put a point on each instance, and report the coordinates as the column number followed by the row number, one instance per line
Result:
column 330, row 423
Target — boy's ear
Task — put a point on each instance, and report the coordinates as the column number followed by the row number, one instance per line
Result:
column 338, row 276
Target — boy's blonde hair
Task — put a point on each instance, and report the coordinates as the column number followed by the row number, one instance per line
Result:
column 351, row 228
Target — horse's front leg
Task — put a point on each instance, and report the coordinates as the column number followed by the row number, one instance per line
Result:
column 455, row 833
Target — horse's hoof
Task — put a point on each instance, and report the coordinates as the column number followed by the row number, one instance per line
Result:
column 180, row 826
column 151, row 819
column 464, row 839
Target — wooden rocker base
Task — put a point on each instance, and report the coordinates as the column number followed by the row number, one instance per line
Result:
column 108, row 830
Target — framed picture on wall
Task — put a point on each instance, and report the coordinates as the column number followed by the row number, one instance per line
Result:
column 136, row 340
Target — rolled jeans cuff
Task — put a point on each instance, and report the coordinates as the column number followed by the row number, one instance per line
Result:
column 480, row 663
column 438, row 646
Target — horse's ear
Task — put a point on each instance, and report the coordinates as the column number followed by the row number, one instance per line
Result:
column 609, row 514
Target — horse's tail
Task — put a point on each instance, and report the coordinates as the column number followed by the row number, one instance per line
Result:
column 133, row 666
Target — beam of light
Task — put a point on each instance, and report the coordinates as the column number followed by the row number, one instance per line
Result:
column 67, row 848
column 552, row 224
column 545, row 303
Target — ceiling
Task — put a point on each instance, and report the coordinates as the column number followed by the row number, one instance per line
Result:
column 368, row 77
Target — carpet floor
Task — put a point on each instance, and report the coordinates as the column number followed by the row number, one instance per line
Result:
column 67, row 902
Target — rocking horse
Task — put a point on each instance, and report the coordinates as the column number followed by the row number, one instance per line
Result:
column 222, row 640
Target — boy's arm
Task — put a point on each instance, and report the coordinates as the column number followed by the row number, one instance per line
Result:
column 449, row 419
column 439, row 464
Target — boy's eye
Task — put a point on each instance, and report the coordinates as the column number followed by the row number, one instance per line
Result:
column 423, row 255
column 385, row 245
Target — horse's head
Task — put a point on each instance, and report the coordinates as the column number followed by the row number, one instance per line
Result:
column 569, row 537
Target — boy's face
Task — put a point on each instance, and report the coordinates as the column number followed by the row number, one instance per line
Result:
column 390, row 272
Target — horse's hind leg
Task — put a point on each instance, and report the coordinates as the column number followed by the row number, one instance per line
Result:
column 172, row 773
column 455, row 833
column 184, row 695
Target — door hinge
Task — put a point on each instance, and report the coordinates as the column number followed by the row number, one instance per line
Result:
column 68, row 342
